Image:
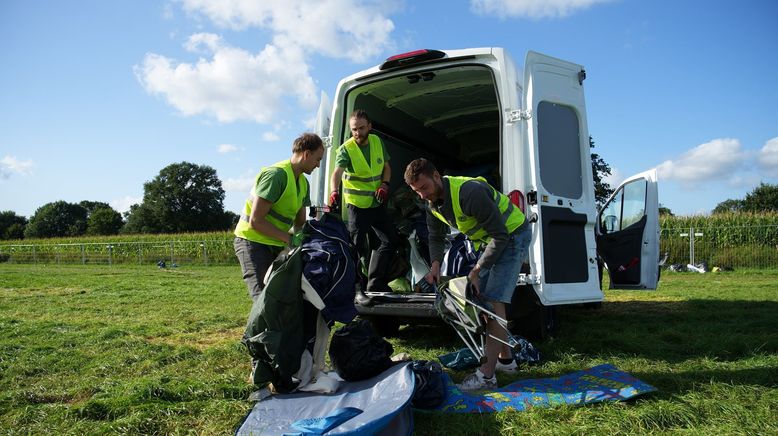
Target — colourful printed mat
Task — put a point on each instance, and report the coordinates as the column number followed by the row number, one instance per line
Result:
column 601, row 383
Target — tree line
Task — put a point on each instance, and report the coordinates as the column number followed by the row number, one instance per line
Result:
column 183, row 197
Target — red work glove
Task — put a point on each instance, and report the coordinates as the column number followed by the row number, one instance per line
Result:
column 334, row 197
column 382, row 192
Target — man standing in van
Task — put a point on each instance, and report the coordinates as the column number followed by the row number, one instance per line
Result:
column 362, row 163
column 276, row 202
column 486, row 216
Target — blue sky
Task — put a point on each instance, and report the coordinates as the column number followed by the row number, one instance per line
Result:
column 97, row 97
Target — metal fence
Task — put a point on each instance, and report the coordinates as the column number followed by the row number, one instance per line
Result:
column 724, row 247
column 172, row 253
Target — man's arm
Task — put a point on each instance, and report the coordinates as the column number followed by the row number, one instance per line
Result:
column 477, row 201
column 259, row 209
column 387, row 174
column 335, row 179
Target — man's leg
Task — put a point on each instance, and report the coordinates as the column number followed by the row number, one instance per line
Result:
column 493, row 347
column 382, row 259
column 254, row 259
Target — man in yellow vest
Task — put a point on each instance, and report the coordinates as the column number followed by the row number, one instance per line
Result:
column 488, row 218
column 276, row 202
column 362, row 163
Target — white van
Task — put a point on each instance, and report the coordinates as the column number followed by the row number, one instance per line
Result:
column 474, row 112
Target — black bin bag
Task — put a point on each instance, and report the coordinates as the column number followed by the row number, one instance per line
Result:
column 357, row 352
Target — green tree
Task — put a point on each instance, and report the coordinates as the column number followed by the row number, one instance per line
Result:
column 665, row 210
column 104, row 221
column 92, row 206
column 55, row 219
column 184, row 197
column 728, row 206
column 12, row 225
column 600, row 170
column 764, row 198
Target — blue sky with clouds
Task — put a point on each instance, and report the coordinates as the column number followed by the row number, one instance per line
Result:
column 97, row 97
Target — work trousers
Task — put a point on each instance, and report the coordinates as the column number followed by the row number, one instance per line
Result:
column 360, row 223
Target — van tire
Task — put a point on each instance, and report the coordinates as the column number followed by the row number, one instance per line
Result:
column 529, row 317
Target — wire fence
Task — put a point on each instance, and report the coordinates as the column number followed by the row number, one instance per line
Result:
column 726, row 247
column 729, row 247
column 171, row 253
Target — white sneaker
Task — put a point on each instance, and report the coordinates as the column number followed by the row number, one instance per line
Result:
column 509, row 368
column 477, row 381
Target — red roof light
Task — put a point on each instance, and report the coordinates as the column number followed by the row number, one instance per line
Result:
column 411, row 57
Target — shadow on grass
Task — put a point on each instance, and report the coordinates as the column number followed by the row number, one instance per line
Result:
column 671, row 331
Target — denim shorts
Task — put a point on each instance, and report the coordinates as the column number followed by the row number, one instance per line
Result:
column 499, row 281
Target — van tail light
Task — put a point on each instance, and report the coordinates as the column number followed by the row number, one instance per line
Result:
column 410, row 58
column 517, row 198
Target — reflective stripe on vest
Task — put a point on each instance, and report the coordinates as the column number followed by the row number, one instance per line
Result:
column 283, row 212
column 359, row 187
column 511, row 216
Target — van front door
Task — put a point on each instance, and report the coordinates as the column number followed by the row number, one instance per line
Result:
column 628, row 233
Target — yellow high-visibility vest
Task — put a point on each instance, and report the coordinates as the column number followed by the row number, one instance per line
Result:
column 512, row 216
column 359, row 187
column 283, row 211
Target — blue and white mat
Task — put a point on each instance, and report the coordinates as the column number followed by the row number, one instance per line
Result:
column 601, row 383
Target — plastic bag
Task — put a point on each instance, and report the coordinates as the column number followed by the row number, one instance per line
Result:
column 357, row 352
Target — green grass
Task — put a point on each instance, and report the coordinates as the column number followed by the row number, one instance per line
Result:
column 127, row 349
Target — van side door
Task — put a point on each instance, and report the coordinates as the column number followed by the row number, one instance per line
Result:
column 628, row 233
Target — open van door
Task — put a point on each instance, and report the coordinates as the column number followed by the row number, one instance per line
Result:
column 628, row 233
column 563, row 253
column 321, row 128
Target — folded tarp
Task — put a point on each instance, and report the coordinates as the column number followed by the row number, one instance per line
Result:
column 379, row 405
column 600, row 383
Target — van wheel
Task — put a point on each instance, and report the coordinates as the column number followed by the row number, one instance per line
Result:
column 385, row 326
column 529, row 318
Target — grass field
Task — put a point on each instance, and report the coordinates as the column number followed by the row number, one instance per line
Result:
column 100, row 349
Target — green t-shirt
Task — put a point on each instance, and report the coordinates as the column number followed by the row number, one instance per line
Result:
column 271, row 184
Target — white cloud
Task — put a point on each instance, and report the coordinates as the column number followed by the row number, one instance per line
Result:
column 715, row 160
column 615, row 178
column 350, row 29
column 767, row 158
column 233, row 84
column 240, row 184
column 123, row 204
column 10, row 165
column 270, row 137
column 534, row 9
column 227, row 148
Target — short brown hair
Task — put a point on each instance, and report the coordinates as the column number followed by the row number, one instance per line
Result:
column 418, row 167
column 307, row 142
column 359, row 113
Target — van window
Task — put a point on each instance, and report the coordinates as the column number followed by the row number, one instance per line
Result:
column 626, row 207
column 559, row 150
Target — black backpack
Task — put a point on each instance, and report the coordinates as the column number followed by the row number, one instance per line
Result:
column 357, row 352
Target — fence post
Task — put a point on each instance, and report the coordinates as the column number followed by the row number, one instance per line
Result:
column 205, row 253
column 83, row 255
column 34, row 255
column 110, row 254
column 140, row 256
column 171, row 252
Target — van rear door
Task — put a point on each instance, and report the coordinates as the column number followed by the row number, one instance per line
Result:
column 563, row 255
column 628, row 233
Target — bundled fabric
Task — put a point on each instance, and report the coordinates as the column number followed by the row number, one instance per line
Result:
column 275, row 333
column 460, row 259
column 430, row 390
column 330, row 267
column 357, row 352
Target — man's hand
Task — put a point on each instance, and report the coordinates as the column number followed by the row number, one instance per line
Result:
column 334, row 198
column 382, row 192
column 433, row 277
column 296, row 239
column 475, row 281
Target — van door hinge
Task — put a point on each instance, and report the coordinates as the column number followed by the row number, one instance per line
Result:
column 517, row 115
